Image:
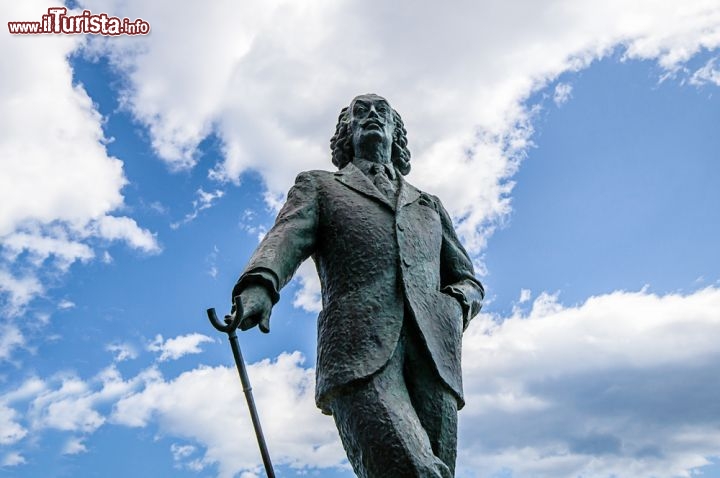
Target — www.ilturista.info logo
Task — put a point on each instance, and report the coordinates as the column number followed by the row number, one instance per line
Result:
column 57, row 21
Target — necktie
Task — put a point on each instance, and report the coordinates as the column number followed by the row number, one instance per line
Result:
column 382, row 182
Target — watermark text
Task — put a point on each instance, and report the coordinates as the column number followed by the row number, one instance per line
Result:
column 57, row 21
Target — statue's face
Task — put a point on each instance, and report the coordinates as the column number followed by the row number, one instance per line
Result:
column 371, row 121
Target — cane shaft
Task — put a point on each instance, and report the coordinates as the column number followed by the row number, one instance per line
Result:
column 247, row 389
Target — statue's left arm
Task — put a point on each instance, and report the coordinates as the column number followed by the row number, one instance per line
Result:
column 457, row 274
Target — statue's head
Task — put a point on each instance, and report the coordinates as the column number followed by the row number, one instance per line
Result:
column 368, row 120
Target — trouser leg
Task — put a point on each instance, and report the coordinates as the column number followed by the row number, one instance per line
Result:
column 381, row 431
column 434, row 403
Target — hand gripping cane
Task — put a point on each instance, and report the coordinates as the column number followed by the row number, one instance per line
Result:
column 229, row 327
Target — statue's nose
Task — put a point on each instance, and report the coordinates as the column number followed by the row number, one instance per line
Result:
column 373, row 112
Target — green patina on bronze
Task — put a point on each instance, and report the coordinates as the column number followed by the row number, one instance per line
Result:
column 398, row 289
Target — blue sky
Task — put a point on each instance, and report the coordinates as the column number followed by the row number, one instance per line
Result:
column 575, row 145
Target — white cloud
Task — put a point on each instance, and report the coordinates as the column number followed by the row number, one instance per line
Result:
column 563, row 92
column 204, row 201
column 66, row 304
column 249, row 221
column 525, row 295
column 708, row 73
column 42, row 247
column 10, row 338
column 173, row 349
column 212, row 260
column 56, row 179
column 43, row 319
column 621, row 385
column 181, row 456
column 468, row 124
column 270, row 86
column 270, row 79
column 17, row 290
column 30, row 388
column 69, row 408
column 123, row 228
column 74, row 446
column 72, row 405
column 617, row 386
column 308, row 296
column 65, row 403
column 55, row 165
column 10, row 430
column 206, row 405
column 13, row 459
column 122, row 351
column 181, row 452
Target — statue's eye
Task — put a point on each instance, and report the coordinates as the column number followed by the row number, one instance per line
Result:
column 359, row 109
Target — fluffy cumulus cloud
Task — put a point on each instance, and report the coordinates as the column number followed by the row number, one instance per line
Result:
column 173, row 349
column 18, row 290
column 308, row 297
column 624, row 384
column 205, row 407
column 65, row 403
column 58, row 186
column 270, row 78
column 74, row 446
column 68, row 403
column 200, row 404
column 12, row 431
column 621, row 385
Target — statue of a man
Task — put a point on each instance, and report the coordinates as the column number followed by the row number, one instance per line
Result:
column 398, row 289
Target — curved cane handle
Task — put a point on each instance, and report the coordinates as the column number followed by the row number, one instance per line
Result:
column 227, row 327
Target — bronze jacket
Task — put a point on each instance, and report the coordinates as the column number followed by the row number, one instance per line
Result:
column 375, row 260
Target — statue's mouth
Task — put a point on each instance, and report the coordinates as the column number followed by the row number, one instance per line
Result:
column 372, row 125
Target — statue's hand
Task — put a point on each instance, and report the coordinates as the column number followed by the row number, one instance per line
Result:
column 257, row 305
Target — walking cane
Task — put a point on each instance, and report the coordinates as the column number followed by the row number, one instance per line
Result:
column 229, row 327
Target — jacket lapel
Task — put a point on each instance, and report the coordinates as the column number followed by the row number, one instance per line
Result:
column 408, row 193
column 352, row 177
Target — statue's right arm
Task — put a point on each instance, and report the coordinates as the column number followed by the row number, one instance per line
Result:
column 290, row 241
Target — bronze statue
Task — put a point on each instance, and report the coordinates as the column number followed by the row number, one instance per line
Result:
column 398, row 289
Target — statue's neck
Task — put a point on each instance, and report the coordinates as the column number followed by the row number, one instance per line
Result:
column 374, row 154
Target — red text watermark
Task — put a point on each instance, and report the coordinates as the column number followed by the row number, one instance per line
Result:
column 57, row 21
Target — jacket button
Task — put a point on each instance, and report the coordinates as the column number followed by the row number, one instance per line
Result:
column 407, row 262
column 400, row 227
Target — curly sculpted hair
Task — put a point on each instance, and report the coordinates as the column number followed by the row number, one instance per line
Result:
column 342, row 147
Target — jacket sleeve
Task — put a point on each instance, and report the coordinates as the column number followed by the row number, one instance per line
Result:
column 457, row 274
column 288, row 243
